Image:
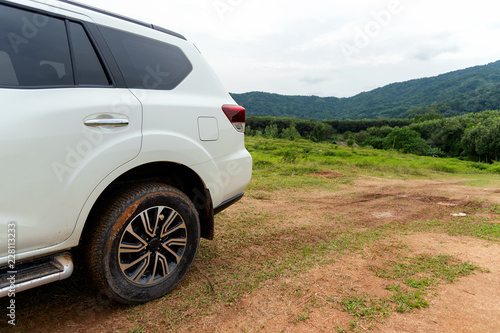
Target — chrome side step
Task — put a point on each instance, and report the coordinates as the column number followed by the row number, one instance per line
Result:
column 35, row 273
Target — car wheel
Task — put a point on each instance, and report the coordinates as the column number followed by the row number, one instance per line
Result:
column 144, row 243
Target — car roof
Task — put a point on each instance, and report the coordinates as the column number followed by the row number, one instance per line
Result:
column 125, row 18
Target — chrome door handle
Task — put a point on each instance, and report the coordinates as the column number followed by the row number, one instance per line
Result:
column 106, row 122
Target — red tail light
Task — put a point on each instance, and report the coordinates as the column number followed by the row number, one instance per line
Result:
column 236, row 115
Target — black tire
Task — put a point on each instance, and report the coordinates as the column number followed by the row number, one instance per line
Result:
column 143, row 244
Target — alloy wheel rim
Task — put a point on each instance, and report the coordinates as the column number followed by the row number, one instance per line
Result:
column 152, row 245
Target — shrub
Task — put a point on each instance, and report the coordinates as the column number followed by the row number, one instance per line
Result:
column 407, row 141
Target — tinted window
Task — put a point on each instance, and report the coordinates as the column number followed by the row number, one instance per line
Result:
column 34, row 50
column 147, row 63
column 88, row 67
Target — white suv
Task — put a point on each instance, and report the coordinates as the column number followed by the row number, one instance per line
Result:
column 116, row 139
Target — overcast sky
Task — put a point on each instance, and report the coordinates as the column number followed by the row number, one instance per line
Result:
column 327, row 47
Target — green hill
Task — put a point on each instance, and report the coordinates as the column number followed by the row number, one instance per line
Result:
column 470, row 90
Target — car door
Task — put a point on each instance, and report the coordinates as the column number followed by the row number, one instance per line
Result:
column 64, row 126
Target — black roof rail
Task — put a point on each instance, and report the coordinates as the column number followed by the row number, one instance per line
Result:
column 125, row 18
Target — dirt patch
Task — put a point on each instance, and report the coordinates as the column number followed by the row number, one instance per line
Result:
column 328, row 174
column 471, row 304
column 310, row 301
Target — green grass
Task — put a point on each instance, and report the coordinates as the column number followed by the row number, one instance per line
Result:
column 366, row 307
column 430, row 269
column 301, row 317
column 442, row 267
column 406, row 300
column 279, row 157
column 415, row 277
column 471, row 226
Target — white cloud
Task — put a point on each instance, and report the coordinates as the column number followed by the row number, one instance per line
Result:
column 295, row 46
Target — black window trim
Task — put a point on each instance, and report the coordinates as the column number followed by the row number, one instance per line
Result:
column 111, row 71
column 102, row 47
column 97, row 52
column 71, row 52
column 124, row 18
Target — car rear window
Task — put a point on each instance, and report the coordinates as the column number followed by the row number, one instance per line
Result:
column 147, row 63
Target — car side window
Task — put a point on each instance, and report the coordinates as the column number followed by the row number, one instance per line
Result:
column 88, row 67
column 147, row 63
column 34, row 50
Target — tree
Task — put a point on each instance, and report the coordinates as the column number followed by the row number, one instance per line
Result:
column 407, row 141
column 379, row 132
column 290, row 133
column 483, row 141
column 426, row 113
column 468, row 142
column 361, row 137
column 375, row 142
column 350, row 141
column 271, row 131
column 319, row 132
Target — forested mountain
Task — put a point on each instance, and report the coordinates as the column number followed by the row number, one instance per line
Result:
column 470, row 90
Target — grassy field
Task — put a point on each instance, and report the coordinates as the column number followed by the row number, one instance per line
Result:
column 301, row 158
column 282, row 166
column 284, row 229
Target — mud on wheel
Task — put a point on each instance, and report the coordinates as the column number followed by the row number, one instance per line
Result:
column 144, row 243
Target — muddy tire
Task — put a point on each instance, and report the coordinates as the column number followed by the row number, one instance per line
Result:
column 143, row 243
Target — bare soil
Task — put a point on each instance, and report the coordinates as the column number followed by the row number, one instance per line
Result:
column 309, row 302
